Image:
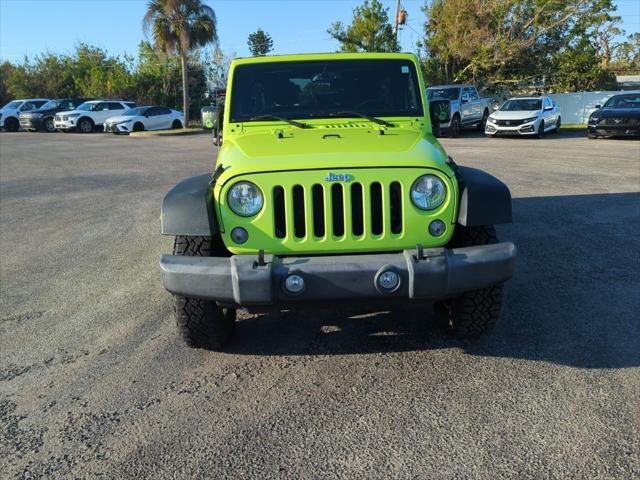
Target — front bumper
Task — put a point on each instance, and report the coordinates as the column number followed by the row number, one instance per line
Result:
column 240, row 280
column 116, row 128
column 526, row 129
column 64, row 124
column 614, row 130
column 31, row 123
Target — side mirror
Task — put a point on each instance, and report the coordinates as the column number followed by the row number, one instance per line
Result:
column 465, row 100
column 548, row 109
column 598, row 106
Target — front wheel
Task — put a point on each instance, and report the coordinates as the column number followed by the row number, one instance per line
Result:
column 49, row 127
column 176, row 124
column 540, row 133
column 477, row 311
column 201, row 323
column 483, row 123
column 85, row 126
column 11, row 124
column 455, row 127
column 138, row 127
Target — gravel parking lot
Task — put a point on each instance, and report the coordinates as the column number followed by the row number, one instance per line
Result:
column 95, row 383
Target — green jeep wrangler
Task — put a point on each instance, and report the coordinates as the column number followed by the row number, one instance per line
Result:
column 329, row 186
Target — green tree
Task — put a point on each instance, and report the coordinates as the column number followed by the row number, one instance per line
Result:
column 179, row 26
column 578, row 68
column 502, row 41
column 370, row 30
column 260, row 43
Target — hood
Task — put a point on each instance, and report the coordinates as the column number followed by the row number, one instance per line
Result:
column 48, row 111
column 120, row 118
column 329, row 148
column 617, row 112
column 515, row 115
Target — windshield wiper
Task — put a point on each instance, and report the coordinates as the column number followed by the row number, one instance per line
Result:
column 282, row 119
column 379, row 121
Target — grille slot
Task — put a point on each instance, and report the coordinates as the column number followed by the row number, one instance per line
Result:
column 376, row 209
column 317, row 194
column 337, row 209
column 357, row 210
column 395, row 199
column 279, row 217
column 299, row 229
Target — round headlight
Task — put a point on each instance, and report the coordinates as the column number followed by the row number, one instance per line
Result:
column 245, row 199
column 428, row 192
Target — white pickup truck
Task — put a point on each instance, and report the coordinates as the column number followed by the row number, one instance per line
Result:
column 454, row 107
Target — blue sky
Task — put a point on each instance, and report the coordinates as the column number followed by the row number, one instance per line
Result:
column 35, row 26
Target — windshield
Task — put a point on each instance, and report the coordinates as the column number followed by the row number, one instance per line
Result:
column 13, row 105
column 325, row 88
column 527, row 104
column 623, row 101
column 443, row 93
column 88, row 107
column 51, row 104
column 134, row 112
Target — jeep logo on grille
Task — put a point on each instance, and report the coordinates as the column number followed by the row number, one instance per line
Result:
column 338, row 177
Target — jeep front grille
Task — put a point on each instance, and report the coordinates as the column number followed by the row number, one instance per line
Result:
column 338, row 209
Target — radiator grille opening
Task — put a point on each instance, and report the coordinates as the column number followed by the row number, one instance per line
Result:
column 279, row 220
column 337, row 209
column 318, row 210
column 376, row 208
column 395, row 198
column 299, row 229
column 357, row 210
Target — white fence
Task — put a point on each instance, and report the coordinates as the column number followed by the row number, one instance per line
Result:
column 576, row 107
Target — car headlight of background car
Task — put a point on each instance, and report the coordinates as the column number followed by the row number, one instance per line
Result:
column 530, row 119
column 428, row 192
column 491, row 119
column 245, row 199
column 36, row 115
column 73, row 115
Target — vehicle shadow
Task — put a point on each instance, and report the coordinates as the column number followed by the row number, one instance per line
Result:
column 573, row 300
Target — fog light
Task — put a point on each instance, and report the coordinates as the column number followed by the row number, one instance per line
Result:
column 437, row 228
column 239, row 235
column 388, row 281
column 294, row 284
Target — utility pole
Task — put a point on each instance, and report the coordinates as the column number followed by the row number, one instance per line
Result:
column 395, row 24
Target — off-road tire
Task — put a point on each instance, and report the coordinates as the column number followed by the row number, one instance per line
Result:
column 455, row 128
column 48, row 126
column 11, row 124
column 85, row 125
column 483, row 123
column 201, row 323
column 176, row 124
column 477, row 311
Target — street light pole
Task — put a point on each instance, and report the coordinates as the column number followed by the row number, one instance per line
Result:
column 395, row 24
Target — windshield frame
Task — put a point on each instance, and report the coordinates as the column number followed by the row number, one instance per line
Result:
column 17, row 102
column 416, row 108
column 434, row 89
column 624, row 95
column 514, row 100
column 89, row 103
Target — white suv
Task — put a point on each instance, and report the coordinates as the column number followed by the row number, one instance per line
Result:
column 90, row 115
column 10, row 113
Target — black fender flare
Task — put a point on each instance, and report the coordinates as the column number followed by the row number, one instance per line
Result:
column 484, row 200
column 188, row 208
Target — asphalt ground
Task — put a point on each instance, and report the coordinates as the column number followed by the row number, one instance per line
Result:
column 95, row 383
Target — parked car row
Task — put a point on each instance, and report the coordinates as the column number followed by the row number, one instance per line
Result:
column 86, row 115
column 454, row 107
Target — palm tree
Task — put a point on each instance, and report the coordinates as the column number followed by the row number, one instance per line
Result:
column 178, row 26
